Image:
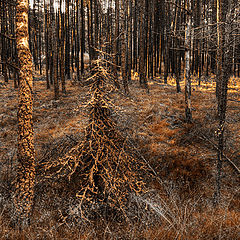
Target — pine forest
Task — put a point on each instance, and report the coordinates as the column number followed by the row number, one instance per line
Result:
column 120, row 119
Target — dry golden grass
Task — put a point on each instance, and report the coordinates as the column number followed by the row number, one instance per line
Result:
column 174, row 149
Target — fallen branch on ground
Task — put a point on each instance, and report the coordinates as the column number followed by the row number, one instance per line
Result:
column 224, row 155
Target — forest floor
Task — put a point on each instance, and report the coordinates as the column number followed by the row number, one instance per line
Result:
column 182, row 157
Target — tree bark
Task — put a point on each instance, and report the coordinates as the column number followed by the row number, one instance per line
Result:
column 223, row 75
column 116, row 38
column 26, row 170
column 142, row 62
column 46, row 43
column 82, row 36
column 188, row 112
column 55, row 48
column 62, row 62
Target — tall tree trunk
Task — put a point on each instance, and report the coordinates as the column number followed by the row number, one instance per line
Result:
column 223, row 75
column 130, row 37
column 142, row 62
column 219, row 50
column 188, row 112
column 135, row 20
column 91, row 31
column 62, row 62
column 96, row 25
column 4, row 48
column 46, row 43
column 82, row 36
column 73, row 36
column 77, row 43
column 177, row 45
column 40, row 37
column 55, row 46
column 167, row 43
column 125, row 51
column 51, row 33
column 116, row 38
column 26, row 171
column 67, row 42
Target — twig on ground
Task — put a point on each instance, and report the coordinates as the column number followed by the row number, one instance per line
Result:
column 216, row 147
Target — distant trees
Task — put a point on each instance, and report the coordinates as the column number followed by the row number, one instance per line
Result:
column 26, row 169
column 153, row 33
column 8, row 54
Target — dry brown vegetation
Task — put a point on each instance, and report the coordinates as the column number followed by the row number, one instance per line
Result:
column 181, row 158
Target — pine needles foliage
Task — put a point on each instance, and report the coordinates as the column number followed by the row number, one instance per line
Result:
column 101, row 168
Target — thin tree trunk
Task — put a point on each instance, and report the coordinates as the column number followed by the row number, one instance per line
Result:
column 73, row 37
column 219, row 51
column 55, row 44
column 188, row 112
column 40, row 38
column 135, row 20
column 116, row 38
column 67, row 42
column 142, row 62
column 77, row 43
column 82, row 36
column 4, row 48
column 46, row 44
column 62, row 62
column 125, row 52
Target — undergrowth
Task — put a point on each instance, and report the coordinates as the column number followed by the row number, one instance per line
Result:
column 147, row 140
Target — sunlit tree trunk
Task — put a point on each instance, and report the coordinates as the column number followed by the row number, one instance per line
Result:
column 26, row 170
